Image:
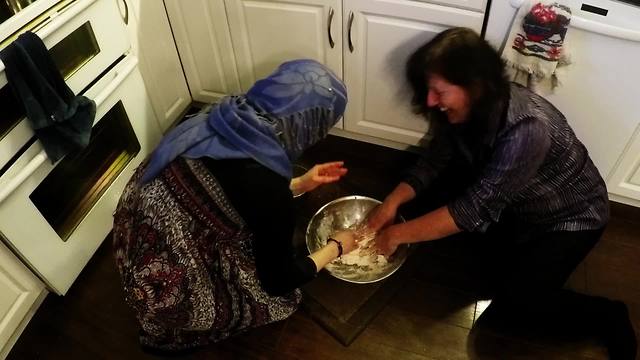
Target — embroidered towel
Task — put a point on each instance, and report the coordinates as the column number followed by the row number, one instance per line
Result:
column 535, row 51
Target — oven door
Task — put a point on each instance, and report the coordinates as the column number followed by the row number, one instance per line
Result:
column 55, row 216
column 84, row 39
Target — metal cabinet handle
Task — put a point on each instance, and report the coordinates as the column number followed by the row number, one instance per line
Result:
column 125, row 17
column 350, row 25
column 330, row 21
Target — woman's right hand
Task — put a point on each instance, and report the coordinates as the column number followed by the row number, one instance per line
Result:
column 382, row 216
column 329, row 252
column 348, row 240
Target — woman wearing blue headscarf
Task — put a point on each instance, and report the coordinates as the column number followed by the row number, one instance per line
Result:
column 202, row 233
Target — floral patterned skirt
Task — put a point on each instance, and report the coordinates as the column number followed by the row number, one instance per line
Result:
column 186, row 262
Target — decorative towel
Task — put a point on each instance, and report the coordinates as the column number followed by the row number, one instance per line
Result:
column 61, row 121
column 535, row 51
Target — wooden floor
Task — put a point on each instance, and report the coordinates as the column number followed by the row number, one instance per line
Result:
column 429, row 318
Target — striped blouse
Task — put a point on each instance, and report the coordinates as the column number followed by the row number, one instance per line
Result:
column 535, row 169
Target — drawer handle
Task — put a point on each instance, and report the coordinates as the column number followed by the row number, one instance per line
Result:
column 330, row 22
column 29, row 169
column 350, row 26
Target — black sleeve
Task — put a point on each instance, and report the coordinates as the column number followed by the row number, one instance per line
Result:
column 264, row 201
column 433, row 160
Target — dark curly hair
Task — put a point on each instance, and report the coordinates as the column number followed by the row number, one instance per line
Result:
column 463, row 58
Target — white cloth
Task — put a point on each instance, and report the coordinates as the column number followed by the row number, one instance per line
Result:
column 535, row 51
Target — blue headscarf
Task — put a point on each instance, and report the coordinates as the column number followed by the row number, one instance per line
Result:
column 273, row 123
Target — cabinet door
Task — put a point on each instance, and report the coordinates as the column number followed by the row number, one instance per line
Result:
column 152, row 41
column 625, row 178
column 19, row 289
column 201, row 33
column 266, row 33
column 382, row 35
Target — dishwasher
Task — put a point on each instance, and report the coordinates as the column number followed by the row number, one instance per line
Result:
column 599, row 93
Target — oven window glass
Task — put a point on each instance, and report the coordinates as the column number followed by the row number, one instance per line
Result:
column 75, row 50
column 69, row 55
column 78, row 181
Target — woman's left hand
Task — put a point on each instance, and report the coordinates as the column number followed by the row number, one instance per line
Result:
column 319, row 174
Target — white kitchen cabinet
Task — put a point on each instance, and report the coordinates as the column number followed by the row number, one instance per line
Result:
column 379, row 36
column 383, row 34
column 21, row 292
column 267, row 33
column 624, row 183
column 366, row 42
column 152, row 41
column 478, row 5
column 202, row 36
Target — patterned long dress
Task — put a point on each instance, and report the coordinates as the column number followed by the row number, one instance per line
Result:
column 186, row 262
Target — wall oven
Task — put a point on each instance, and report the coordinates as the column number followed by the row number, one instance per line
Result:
column 54, row 216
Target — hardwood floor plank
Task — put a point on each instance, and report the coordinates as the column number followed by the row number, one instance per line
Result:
column 304, row 339
column 403, row 328
column 487, row 345
column 437, row 302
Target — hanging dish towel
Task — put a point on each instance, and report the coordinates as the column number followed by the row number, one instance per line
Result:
column 535, row 51
column 61, row 121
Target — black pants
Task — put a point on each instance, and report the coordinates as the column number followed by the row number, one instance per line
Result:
column 527, row 270
column 532, row 269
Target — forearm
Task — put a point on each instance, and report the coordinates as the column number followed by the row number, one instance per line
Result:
column 431, row 226
column 325, row 255
column 400, row 195
column 298, row 185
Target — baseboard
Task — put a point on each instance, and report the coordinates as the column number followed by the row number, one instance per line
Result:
column 625, row 208
column 370, row 139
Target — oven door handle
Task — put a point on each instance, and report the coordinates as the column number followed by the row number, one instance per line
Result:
column 29, row 169
column 118, row 78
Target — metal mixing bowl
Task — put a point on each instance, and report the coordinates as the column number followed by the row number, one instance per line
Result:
column 346, row 213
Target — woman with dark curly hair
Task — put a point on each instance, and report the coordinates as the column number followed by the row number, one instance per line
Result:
column 203, row 231
column 527, row 183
